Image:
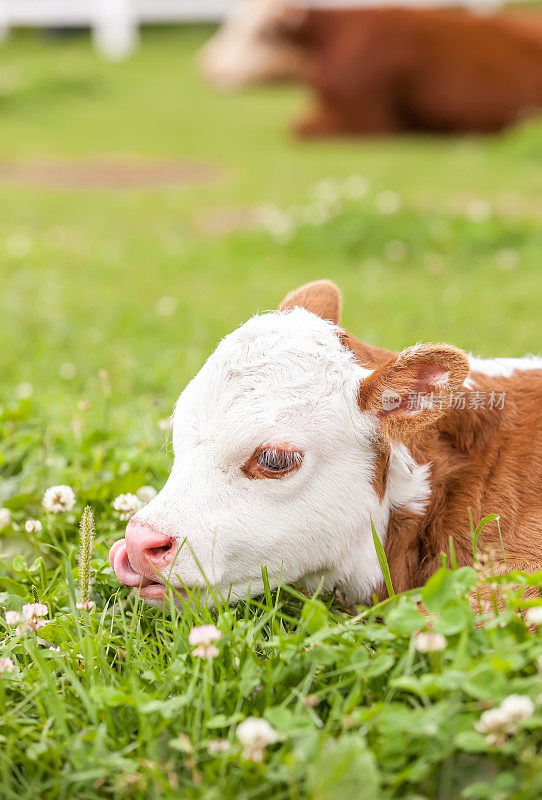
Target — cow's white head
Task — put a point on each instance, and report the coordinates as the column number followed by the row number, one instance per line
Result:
column 278, row 459
column 253, row 45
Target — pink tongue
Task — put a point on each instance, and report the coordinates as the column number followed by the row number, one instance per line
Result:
column 114, row 549
column 118, row 558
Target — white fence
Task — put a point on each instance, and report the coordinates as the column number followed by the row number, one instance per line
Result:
column 115, row 23
column 84, row 12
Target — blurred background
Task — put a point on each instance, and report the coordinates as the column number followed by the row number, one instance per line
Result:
column 145, row 212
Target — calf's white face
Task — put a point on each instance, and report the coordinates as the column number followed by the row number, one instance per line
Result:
column 274, row 464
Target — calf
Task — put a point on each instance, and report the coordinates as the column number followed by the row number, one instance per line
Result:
column 294, row 436
column 387, row 70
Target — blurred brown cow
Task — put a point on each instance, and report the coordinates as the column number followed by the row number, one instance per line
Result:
column 386, row 70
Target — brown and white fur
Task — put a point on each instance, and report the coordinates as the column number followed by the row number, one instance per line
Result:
column 293, row 383
column 380, row 69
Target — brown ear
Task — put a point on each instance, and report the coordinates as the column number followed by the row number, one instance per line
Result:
column 414, row 388
column 322, row 298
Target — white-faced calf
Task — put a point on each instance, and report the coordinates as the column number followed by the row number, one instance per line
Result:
column 294, row 436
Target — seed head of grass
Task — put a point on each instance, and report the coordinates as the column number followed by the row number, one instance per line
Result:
column 87, row 532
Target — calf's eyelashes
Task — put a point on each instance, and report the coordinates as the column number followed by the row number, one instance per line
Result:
column 273, row 461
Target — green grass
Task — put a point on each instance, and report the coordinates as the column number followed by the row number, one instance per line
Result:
column 124, row 709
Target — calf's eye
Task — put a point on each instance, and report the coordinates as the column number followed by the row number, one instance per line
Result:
column 277, row 460
column 272, row 461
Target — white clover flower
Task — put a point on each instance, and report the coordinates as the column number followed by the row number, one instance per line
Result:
column 517, row 707
column 146, row 494
column 32, row 613
column 12, row 618
column 282, row 230
column 18, row 245
column 278, row 223
column 500, row 722
column 355, row 187
column 32, row 625
column 85, row 605
column 429, row 642
column 166, row 306
column 533, row 616
column 316, row 214
column 478, row 210
column 388, row 202
column 127, row 505
column 266, row 213
column 494, row 720
column 5, row 517
column 34, row 610
column 29, row 619
column 24, row 390
column 218, row 746
column 33, row 526
column 255, row 735
column 507, row 259
column 67, row 371
column 395, row 250
column 6, row 665
column 201, row 637
column 434, row 263
column 58, row 499
column 329, row 190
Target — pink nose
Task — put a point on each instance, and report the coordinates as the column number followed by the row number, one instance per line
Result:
column 149, row 551
column 141, row 557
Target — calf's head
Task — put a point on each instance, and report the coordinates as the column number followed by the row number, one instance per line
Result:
column 281, row 442
column 254, row 45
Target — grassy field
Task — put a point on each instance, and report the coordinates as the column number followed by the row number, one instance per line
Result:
column 110, row 301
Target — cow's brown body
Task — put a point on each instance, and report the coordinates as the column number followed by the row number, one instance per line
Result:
column 379, row 71
column 488, row 460
column 491, row 462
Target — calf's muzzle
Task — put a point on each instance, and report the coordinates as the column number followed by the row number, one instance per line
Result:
column 143, row 556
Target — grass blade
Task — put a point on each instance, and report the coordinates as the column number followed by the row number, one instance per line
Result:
column 451, row 547
column 382, row 560
column 476, row 535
